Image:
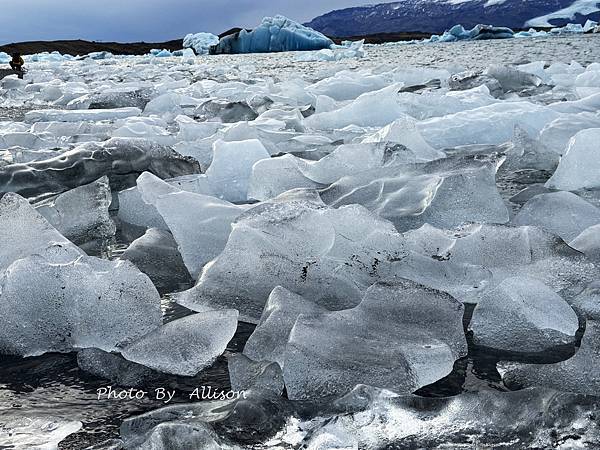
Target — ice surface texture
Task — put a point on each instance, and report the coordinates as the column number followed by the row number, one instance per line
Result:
column 24, row 232
column 561, row 213
column 444, row 193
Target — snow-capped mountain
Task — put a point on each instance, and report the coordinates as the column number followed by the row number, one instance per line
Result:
column 435, row 16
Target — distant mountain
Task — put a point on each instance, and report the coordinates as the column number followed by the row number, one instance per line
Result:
column 435, row 16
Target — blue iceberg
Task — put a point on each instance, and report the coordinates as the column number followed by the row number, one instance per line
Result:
column 274, row 34
column 164, row 53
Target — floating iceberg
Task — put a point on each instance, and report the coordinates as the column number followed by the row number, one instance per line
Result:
column 478, row 32
column 274, row 34
column 200, row 42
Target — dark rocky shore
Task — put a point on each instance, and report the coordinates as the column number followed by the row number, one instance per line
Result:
column 81, row 47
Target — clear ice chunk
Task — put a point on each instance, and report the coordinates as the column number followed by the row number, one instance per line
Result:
column 81, row 214
column 562, row 213
column 579, row 167
column 401, row 337
column 57, row 300
column 185, row 346
column 523, row 315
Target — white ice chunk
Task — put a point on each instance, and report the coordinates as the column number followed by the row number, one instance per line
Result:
column 579, row 167
column 200, row 42
column 588, row 242
column 274, row 176
column 294, row 241
column 200, row 224
column 588, row 83
column 372, row 109
column 136, row 205
column 245, row 374
column 404, row 131
column 444, row 193
column 556, row 135
column 561, row 213
column 493, row 124
column 185, row 346
column 577, row 374
column 24, row 231
column 142, row 130
column 347, row 85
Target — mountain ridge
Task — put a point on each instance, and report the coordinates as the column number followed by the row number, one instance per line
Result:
column 440, row 15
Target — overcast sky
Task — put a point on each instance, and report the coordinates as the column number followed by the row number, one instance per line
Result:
column 145, row 20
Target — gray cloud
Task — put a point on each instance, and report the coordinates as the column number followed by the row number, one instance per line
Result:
column 147, row 20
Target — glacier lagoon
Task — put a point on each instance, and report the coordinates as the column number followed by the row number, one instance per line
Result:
column 368, row 220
